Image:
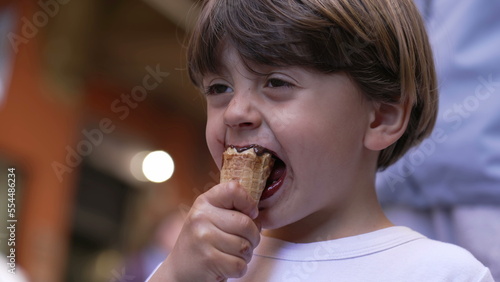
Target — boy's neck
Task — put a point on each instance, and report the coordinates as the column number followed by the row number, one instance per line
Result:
column 358, row 215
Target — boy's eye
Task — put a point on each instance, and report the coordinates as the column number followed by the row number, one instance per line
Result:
column 217, row 89
column 276, row 82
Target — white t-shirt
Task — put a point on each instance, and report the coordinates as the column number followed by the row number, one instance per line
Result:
column 391, row 254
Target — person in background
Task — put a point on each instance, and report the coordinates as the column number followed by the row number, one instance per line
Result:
column 448, row 188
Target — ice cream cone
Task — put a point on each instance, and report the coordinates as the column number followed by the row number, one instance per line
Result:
column 247, row 167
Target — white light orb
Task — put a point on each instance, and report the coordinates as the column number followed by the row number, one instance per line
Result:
column 158, row 166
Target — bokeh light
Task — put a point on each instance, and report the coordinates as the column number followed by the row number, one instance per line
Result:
column 158, row 166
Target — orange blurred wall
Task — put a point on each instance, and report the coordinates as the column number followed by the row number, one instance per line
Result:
column 35, row 128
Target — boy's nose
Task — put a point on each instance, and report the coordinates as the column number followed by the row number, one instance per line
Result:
column 241, row 113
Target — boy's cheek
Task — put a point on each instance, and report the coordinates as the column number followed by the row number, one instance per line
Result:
column 216, row 156
column 215, row 143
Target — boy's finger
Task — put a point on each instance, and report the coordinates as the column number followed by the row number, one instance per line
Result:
column 232, row 196
column 234, row 266
column 235, row 246
column 236, row 223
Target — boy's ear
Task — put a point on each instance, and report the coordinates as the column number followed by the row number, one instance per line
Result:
column 387, row 124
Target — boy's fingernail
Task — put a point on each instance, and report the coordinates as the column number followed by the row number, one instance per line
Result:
column 254, row 213
column 231, row 185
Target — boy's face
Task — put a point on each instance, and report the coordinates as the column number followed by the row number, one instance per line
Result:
column 314, row 122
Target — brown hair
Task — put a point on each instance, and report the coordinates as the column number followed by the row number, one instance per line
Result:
column 381, row 44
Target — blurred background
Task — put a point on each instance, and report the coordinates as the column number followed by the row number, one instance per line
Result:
column 88, row 89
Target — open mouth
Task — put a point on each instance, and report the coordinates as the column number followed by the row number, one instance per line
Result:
column 275, row 179
column 276, row 175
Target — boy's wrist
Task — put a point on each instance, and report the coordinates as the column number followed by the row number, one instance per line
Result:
column 164, row 273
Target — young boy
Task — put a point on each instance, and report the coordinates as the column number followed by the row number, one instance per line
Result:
column 336, row 90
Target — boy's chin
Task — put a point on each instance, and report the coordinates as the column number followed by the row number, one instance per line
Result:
column 268, row 221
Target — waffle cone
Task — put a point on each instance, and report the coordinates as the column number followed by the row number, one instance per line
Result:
column 250, row 169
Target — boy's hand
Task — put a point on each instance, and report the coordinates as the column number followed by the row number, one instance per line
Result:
column 217, row 239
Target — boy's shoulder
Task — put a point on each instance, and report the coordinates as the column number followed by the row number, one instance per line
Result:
column 440, row 251
column 392, row 254
column 451, row 260
column 422, row 259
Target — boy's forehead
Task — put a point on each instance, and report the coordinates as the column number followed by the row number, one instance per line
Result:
column 228, row 59
column 225, row 59
column 228, row 55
